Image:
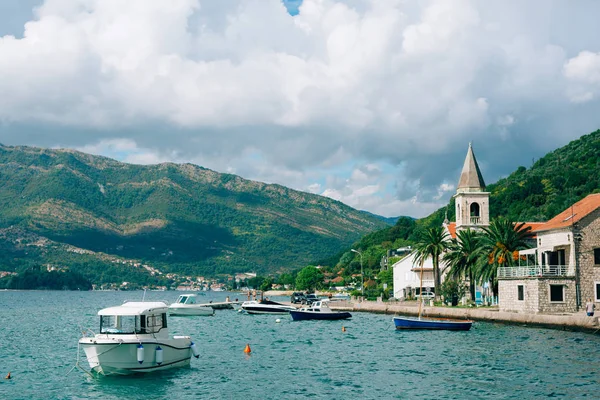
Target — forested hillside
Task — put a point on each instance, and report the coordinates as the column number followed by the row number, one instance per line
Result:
column 178, row 217
column 552, row 184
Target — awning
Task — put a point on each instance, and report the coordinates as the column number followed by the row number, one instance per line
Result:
column 528, row 251
column 553, row 248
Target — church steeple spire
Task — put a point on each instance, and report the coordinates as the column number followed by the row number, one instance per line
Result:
column 471, row 179
column 471, row 199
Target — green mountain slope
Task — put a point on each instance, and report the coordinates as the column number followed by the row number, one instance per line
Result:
column 179, row 217
column 552, row 184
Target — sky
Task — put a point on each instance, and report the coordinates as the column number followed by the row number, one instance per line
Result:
column 372, row 103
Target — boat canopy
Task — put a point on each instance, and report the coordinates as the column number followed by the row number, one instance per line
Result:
column 186, row 299
column 136, row 308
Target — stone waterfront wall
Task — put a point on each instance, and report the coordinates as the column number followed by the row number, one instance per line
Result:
column 536, row 296
column 577, row 321
column 569, row 305
column 589, row 273
column 509, row 300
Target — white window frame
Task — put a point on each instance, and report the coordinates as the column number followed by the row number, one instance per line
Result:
column 550, row 293
column 596, row 293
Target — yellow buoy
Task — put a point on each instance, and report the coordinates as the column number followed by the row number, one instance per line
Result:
column 247, row 349
column 343, row 329
column 7, row 376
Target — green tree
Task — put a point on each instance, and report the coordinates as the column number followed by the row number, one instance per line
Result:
column 432, row 242
column 452, row 289
column 501, row 244
column 309, row 278
column 266, row 284
column 256, row 282
column 464, row 255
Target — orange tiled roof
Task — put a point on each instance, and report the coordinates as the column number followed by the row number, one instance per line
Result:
column 573, row 214
column 533, row 225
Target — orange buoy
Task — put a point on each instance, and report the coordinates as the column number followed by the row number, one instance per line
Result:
column 7, row 376
column 247, row 349
column 343, row 329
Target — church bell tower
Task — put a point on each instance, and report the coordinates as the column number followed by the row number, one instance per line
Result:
column 472, row 201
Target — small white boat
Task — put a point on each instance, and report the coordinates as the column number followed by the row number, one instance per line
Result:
column 186, row 305
column 134, row 338
column 266, row 307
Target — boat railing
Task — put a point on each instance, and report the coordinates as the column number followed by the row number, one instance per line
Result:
column 533, row 271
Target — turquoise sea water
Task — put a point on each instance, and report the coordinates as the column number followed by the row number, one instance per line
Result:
column 289, row 360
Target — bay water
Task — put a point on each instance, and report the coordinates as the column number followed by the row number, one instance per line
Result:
column 39, row 331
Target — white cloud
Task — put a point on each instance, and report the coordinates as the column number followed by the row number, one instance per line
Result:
column 370, row 102
column 583, row 72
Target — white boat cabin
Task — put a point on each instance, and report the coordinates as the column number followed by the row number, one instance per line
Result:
column 134, row 318
column 186, row 299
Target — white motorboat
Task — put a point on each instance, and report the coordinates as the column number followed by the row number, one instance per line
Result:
column 186, row 305
column 134, row 338
column 266, row 307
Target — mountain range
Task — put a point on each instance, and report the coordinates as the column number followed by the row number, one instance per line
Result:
column 65, row 208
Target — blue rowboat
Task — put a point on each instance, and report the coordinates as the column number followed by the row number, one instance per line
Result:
column 432, row 323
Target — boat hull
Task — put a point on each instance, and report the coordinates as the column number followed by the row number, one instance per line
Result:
column 433, row 324
column 191, row 310
column 307, row 315
column 265, row 310
column 108, row 356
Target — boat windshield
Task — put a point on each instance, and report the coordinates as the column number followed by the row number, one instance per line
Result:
column 124, row 324
column 186, row 300
column 132, row 324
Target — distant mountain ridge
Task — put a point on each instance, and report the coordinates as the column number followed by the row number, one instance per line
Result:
column 388, row 220
column 180, row 217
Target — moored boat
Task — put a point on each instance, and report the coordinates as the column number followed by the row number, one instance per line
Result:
column 318, row 310
column 421, row 322
column 186, row 305
column 432, row 323
column 265, row 307
column 134, row 338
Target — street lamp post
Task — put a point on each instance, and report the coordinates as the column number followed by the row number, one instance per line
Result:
column 362, row 277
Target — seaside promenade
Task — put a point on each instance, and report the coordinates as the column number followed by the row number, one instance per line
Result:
column 576, row 321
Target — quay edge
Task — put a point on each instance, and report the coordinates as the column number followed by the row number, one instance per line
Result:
column 575, row 322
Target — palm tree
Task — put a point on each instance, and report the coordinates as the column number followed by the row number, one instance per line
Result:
column 463, row 256
column 431, row 243
column 501, row 243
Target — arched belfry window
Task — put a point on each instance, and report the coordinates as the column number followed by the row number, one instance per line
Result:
column 475, row 215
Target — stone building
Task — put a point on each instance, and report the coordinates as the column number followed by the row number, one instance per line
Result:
column 566, row 264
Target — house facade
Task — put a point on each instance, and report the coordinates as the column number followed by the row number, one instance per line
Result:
column 407, row 277
column 565, row 267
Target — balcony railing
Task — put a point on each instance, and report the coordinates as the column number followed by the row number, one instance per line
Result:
column 532, row 271
column 475, row 220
